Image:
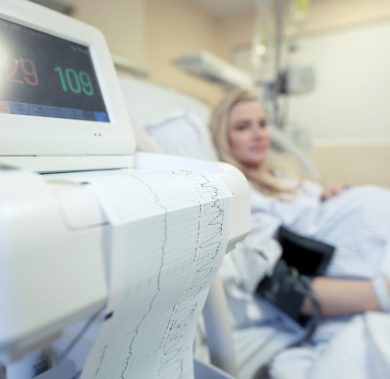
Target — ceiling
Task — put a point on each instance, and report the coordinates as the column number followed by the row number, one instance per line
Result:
column 223, row 8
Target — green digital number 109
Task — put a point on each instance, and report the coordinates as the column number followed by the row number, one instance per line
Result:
column 75, row 81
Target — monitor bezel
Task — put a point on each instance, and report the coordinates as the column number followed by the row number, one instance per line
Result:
column 33, row 140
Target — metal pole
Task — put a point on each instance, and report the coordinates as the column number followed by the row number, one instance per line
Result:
column 279, row 34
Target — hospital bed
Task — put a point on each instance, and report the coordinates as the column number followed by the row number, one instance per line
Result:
column 176, row 124
column 75, row 196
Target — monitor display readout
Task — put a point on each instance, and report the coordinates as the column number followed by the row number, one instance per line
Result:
column 46, row 76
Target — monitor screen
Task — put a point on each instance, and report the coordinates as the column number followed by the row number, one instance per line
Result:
column 46, row 76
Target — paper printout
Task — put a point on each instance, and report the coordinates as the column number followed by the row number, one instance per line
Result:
column 168, row 238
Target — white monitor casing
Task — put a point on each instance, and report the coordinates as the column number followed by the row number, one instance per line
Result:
column 46, row 144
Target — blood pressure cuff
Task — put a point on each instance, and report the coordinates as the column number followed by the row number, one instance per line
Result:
column 309, row 256
column 302, row 258
column 282, row 290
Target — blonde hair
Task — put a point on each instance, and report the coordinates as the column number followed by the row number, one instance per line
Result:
column 265, row 179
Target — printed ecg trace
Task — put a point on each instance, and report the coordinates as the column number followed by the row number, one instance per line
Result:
column 162, row 265
column 158, row 279
column 209, row 241
column 207, row 248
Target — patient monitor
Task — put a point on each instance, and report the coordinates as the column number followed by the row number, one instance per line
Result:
column 60, row 107
column 64, row 125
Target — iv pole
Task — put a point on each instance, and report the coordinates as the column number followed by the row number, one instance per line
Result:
column 268, row 46
column 279, row 32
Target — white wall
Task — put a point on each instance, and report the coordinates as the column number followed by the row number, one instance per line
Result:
column 351, row 102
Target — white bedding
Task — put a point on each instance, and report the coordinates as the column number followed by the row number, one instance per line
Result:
column 357, row 222
column 361, row 350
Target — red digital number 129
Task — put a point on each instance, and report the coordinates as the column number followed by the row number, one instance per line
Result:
column 22, row 71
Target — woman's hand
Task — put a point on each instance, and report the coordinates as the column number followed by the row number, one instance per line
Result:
column 333, row 189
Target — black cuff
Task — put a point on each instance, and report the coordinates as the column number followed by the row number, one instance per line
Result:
column 284, row 290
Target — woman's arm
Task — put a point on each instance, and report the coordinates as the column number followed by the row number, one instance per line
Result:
column 339, row 297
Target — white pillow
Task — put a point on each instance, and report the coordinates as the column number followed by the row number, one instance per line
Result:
column 145, row 102
column 176, row 122
column 182, row 133
column 192, row 105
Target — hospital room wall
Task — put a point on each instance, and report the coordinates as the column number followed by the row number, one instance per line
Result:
column 122, row 23
column 174, row 28
column 364, row 160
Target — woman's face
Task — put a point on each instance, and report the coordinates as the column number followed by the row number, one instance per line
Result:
column 248, row 134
